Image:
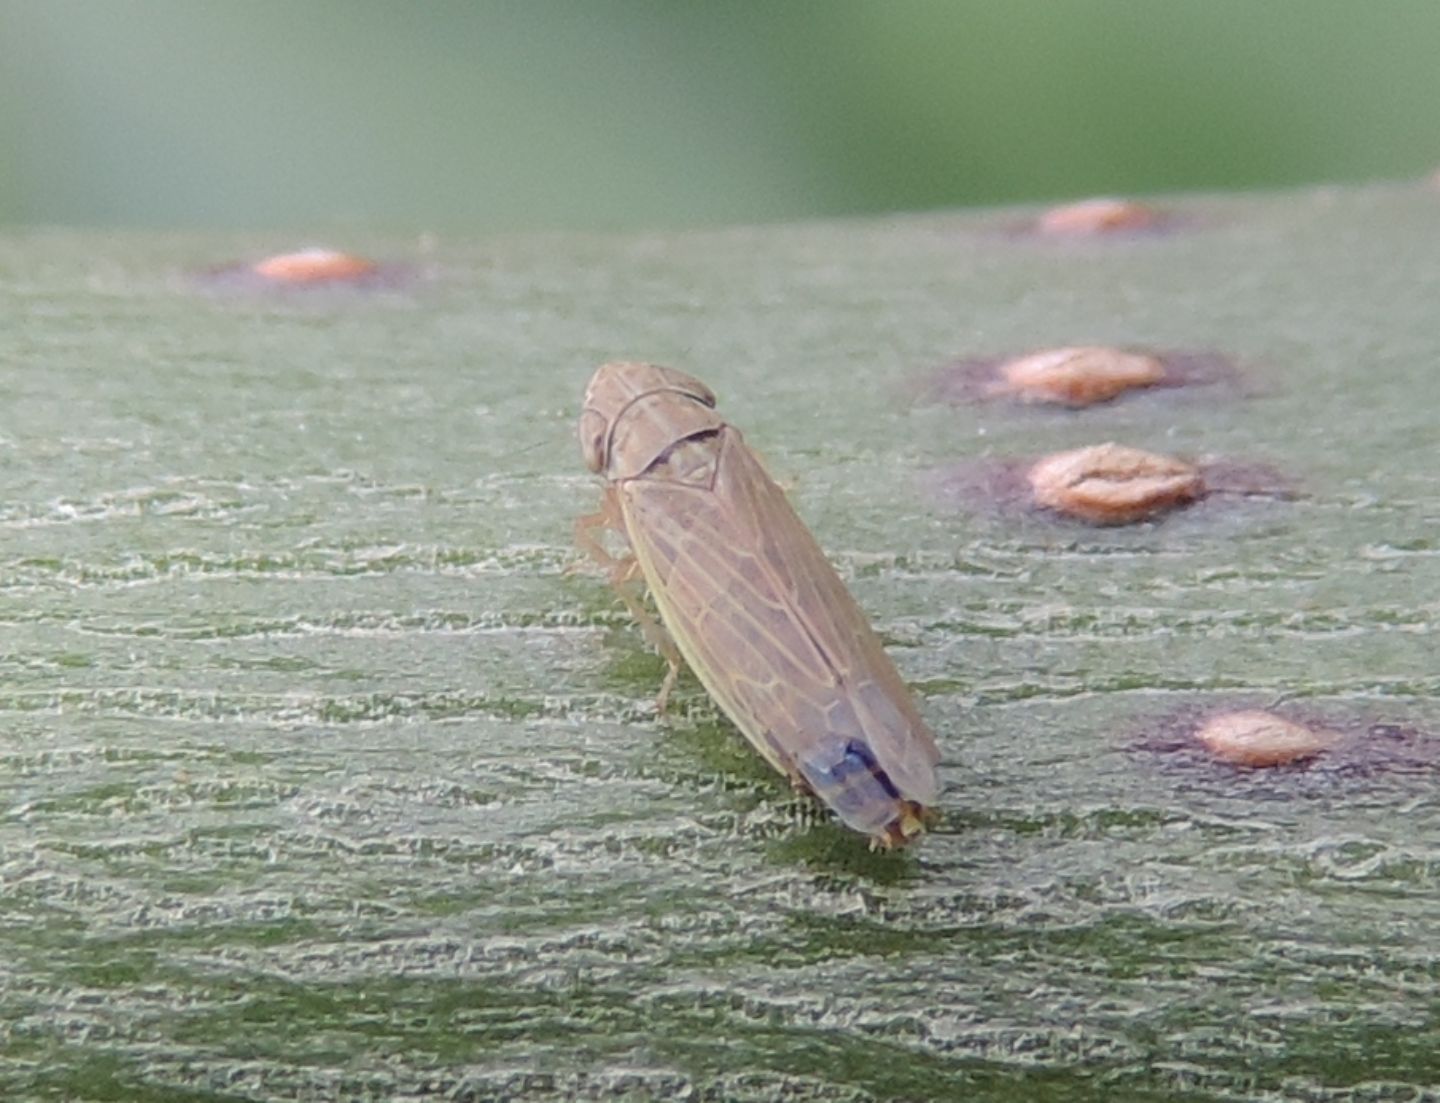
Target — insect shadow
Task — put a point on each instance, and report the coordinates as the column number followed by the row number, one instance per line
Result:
column 704, row 749
column 830, row 848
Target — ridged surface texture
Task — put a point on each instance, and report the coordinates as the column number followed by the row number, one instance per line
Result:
column 320, row 778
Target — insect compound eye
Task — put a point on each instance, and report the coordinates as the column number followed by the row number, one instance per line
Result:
column 593, row 430
column 686, row 384
column 698, row 391
column 703, row 393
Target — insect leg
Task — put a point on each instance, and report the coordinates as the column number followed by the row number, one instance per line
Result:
column 662, row 699
column 606, row 517
column 625, row 578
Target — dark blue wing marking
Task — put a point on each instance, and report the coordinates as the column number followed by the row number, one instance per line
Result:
column 844, row 774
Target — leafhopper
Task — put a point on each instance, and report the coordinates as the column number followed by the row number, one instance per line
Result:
column 747, row 599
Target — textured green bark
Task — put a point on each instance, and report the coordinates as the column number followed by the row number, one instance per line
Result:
column 319, row 777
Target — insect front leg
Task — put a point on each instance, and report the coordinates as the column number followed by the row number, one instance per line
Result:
column 626, row 580
column 587, row 538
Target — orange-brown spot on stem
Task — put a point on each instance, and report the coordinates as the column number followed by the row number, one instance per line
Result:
column 1256, row 738
column 1096, row 216
column 1077, row 376
column 314, row 266
column 1110, row 484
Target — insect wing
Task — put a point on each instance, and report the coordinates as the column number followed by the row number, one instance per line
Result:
column 776, row 638
column 881, row 711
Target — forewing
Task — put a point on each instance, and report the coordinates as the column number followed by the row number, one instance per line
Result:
column 879, row 703
column 728, row 619
column 769, row 628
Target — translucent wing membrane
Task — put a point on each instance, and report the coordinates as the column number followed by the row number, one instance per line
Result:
column 844, row 774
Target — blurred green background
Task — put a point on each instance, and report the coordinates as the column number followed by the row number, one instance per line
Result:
column 544, row 114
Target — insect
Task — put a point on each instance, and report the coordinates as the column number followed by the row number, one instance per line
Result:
column 747, row 599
